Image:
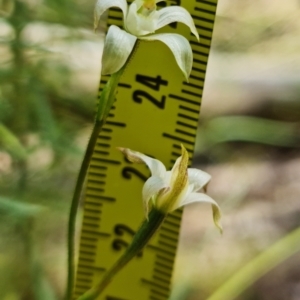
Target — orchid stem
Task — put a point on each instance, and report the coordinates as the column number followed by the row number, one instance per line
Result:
column 106, row 101
column 141, row 238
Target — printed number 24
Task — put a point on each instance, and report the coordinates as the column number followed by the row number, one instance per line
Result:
column 154, row 83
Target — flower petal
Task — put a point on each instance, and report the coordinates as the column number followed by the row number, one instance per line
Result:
column 178, row 184
column 156, row 167
column 138, row 24
column 179, row 169
column 151, row 188
column 180, row 48
column 198, row 178
column 200, row 197
column 117, row 48
column 103, row 5
column 172, row 14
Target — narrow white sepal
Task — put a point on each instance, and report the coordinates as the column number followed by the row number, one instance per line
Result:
column 117, row 48
column 156, row 167
column 197, row 197
column 198, row 179
column 103, row 5
column 172, row 14
column 200, row 197
column 151, row 188
column 180, row 48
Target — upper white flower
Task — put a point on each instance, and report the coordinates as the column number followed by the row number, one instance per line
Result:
column 140, row 19
column 169, row 190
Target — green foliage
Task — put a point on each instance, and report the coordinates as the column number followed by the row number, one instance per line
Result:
column 247, row 129
column 23, row 215
column 11, row 143
column 38, row 109
column 258, row 266
column 18, row 210
column 34, row 88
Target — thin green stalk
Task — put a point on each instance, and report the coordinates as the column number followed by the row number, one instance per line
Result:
column 141, row 238
column 257, row 267
column 20, row 101
column 106, row 101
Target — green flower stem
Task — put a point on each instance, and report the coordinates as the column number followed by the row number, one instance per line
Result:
column 106, row 101
column 257, row 267
column 141, row 238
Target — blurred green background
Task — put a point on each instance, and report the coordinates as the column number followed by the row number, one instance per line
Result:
column 248, row 139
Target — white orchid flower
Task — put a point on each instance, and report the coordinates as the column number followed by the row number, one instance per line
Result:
column 169, row 190
column 141, row 20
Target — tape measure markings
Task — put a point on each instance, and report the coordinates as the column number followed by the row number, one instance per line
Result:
column 184, row 100
column 115, row 124
column 185, row 125
column 187, row 101
column 205, row 10
column 161, row 250
column 81, row 287
column 184, row 132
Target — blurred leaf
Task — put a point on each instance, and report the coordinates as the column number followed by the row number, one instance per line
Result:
column 42, row 289
column 11, row 296
column 182, row 290
column 247, row 129
column 5, row 108
column 66, row 12
column 48, row 126
column 258, row 266
column 11, row 143
column 6, row 7
column 18, row 209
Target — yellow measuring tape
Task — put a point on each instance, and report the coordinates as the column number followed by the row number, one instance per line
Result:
column 156, row 111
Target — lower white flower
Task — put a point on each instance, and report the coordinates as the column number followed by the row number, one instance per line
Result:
column 169, row 190
column 141, row 20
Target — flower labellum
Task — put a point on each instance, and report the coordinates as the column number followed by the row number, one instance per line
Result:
column 141, row 20
column 168, row 190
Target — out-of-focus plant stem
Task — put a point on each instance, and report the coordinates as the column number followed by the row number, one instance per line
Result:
column 257, row 267
column 18, row 20
column 106, row 101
